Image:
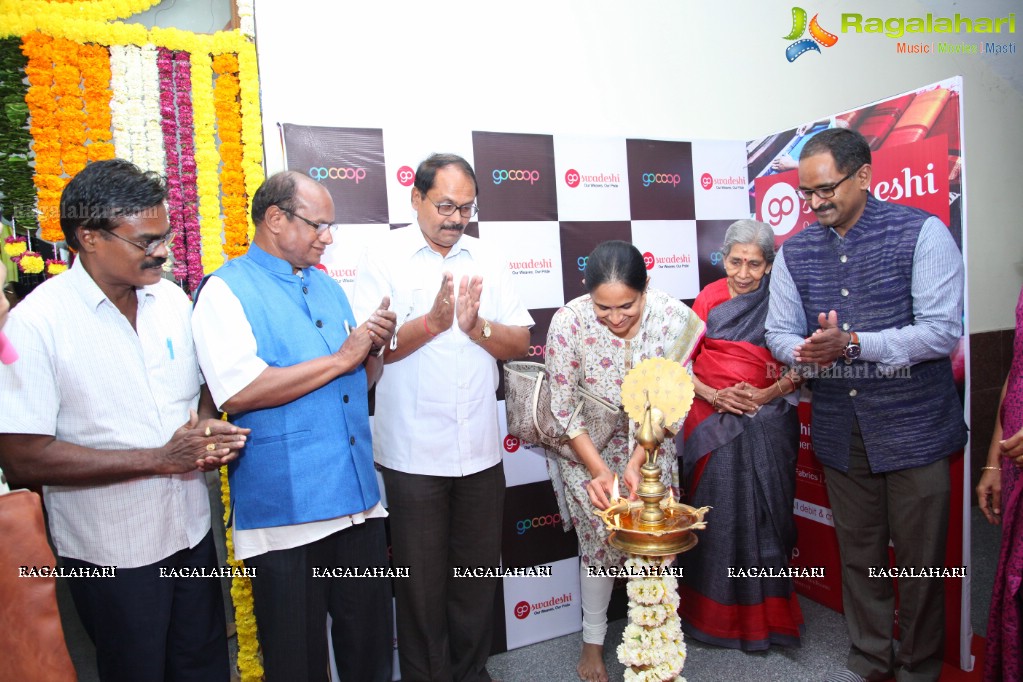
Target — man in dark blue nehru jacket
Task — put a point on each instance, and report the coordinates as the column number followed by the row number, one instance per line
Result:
column 871, row 288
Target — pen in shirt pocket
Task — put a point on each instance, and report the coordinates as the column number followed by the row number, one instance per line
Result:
column 170, row 347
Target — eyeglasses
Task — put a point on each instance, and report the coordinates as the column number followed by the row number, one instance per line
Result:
column 319, row 227
column 823, row 192
column 447, row 208
column 150, row 245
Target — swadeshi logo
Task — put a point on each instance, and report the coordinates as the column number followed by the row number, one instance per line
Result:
column 523, row 609
column 905, row 185
column 817, row 35
column 522, row 525
column 511, row 443
column 512, row 175
column 708, row 182
column 536, row 351
column 406, row 176
column 661, row 179
column 671, row 262
column 532, row 266
column 321, row 173
column 574, row 178
column 780, row 208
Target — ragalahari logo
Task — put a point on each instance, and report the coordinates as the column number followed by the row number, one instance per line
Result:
column 817, row 35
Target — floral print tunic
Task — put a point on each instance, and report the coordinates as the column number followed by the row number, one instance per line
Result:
column 581, row 350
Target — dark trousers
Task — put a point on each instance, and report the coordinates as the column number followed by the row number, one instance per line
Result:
column 291, row 608
column 911, row 507
column 437, row 523
column 152, row 628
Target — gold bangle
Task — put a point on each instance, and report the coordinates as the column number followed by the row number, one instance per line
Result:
column 714, row 402
column 991, row 468
column 780, row 391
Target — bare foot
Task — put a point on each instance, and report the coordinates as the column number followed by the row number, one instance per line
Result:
column 591, row 663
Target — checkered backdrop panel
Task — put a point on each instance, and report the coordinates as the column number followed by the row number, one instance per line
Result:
column 545, row 201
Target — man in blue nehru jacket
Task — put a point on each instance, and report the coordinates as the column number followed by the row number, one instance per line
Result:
column 870, row 288
column 282, row 354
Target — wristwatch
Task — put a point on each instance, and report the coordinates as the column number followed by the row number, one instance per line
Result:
column 484, row 333
column 852, row 349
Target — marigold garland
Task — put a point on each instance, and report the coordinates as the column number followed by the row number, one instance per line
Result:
column 80, row 10
column 42, row 106
column 232, row 178
column 94, row 61
column 249, row 663
column 207, row 162
column 252, row 125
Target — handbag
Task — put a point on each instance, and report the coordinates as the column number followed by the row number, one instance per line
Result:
column 527, row 403
column 30, row 629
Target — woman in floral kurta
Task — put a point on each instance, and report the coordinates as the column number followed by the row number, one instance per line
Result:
column 594, row 341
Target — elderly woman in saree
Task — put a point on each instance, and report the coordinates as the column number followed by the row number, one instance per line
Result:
column 594, row 340
column 741, row 439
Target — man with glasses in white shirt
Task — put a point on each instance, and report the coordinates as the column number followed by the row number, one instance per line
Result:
column 101, row 409
column 283, row 355
column 435, row 429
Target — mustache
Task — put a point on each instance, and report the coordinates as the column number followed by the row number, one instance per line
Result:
column 452, row 226
column 823, row 207
column 153, row 263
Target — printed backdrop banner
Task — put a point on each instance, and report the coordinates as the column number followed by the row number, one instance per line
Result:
column 545, row 201
column 916, row 161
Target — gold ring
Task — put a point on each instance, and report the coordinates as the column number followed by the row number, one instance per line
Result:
column 208, row 432
column 211, row 447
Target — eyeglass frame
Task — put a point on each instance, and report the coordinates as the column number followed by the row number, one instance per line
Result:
column 319, row 227
column 825, row 192
column 150, row 247
column 455, row 207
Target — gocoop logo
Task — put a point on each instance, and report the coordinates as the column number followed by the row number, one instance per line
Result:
column 321, row 173
column 672, row 179
column 511, row 443
column 582, row 262
column 572, row 178
column 818, row 36
column 406, row 176
column 535, row 351
column 522, row 525
column 515, row 175
column 649, row 261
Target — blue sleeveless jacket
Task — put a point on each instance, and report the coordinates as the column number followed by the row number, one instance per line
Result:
column 906, row 421
column 310, row 459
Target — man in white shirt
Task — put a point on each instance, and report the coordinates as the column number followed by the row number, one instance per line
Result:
column 100, row 408
column 280, row 348
column 435, row 429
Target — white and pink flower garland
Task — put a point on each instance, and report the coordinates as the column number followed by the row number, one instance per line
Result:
column 176, row 119
column 652, row 646
column 135, row 106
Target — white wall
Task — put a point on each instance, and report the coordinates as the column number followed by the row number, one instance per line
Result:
column 655, row 68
